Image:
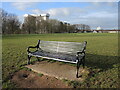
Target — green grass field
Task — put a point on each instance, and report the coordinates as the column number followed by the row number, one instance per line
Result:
column 101, row 56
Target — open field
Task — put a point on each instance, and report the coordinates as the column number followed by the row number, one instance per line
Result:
column 101, row 57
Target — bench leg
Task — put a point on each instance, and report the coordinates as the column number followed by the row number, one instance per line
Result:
column 29, row 59
column 77, row 71
column 83, row 62
column 78, row 66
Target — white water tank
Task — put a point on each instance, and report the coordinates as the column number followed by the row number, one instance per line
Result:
column 98, row 28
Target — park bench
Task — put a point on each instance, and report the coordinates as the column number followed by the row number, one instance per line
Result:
column 72, row 52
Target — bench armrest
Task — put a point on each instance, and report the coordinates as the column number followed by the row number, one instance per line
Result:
column 84, row 49
column 28, row 49
column 37, row 47
column 80, row 52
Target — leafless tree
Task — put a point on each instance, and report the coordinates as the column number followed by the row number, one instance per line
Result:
column 10, row 23
column 81, row 27
column 29, row 25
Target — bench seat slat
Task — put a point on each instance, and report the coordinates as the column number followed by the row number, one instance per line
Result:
column 61, row 47
column 67, row 57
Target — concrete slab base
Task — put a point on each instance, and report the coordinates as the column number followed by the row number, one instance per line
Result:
column 57, row 69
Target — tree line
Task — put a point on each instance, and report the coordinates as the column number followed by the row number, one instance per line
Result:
column 32, row 25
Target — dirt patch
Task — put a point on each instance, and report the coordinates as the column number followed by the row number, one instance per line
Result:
column 28, row 79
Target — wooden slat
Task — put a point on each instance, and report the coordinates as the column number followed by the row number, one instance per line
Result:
column 49, row 46
column 62, row 47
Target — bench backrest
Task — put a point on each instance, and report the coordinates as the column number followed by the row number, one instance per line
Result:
column 62, row 47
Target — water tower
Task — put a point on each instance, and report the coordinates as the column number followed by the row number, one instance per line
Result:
column 99, row 28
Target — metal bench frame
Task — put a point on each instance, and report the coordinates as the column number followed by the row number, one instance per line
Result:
column 80, row 59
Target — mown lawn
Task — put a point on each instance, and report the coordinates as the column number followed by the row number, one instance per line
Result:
column 101, row 57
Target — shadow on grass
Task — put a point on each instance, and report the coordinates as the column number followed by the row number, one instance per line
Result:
column 100, row 61
column 92, row 60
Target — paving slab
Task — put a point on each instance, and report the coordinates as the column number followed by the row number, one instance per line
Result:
column 57, row 69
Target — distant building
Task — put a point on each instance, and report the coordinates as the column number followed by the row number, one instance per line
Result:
column 106, row 31
column 113, row 31
column 45, row 16
column 37, row 17
column 94, row 31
